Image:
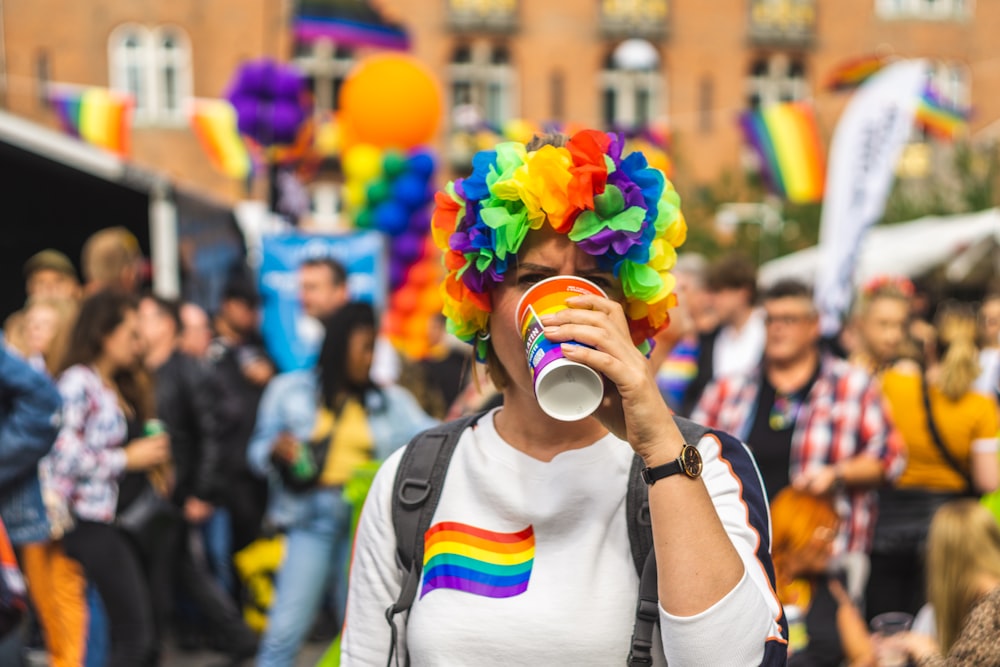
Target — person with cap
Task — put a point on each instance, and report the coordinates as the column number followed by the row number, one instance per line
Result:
column 49, row 274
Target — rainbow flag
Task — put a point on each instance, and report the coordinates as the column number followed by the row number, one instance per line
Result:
column 465, row 558
column 852, row 73
column 98, row 116
column 939, row 117
column 214, row 123
column 787, row 140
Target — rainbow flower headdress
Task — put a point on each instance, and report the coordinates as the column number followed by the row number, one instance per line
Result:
column 620, row 210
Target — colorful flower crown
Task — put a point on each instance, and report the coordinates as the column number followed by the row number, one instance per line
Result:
column 622, row 211
column 886, row 284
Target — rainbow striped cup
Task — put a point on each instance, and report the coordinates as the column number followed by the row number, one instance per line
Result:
column 565, row 390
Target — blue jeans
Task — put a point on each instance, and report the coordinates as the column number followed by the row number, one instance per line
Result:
column 98, row 632
column 317, row 549
column 218, row 534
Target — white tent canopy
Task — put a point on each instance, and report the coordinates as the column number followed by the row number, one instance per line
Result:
column 907, row 249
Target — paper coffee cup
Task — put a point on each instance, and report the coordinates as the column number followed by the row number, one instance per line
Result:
column 565, row 390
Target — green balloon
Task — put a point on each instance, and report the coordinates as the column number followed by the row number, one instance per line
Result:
column 364, row 219
column 378, row 192
column 393, row 164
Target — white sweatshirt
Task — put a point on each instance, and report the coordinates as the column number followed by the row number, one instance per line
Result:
column 528, row 563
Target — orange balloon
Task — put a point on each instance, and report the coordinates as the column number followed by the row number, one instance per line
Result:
column 391, row 100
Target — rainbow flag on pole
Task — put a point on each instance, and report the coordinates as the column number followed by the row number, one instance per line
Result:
column 214, row 123
column 850, row 74
column 939, row 117
column 787, row 140
column 98, row 116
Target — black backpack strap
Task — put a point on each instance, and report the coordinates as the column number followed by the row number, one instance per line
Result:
column 415, row 494
column 640, row 537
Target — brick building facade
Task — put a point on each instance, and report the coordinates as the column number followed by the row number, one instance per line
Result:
column 692, row 64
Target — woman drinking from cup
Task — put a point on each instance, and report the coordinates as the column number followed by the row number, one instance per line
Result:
column 528, row 556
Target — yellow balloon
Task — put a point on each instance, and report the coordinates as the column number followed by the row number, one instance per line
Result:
column 355, row 194
column 363, row 163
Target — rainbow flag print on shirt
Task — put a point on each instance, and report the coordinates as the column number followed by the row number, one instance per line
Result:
column 482, row 562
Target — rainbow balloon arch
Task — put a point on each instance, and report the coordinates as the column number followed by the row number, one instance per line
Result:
column 389, row 184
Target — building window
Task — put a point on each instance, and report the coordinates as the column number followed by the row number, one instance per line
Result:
column 557, row 92
column 42, row 75
column 326, row 66
column 776, row 78
column 637, row 18
column 632, row 88
column 172, row 74
column 482, row 85
column 154, row 67
column 924, row 9
column 483, row 15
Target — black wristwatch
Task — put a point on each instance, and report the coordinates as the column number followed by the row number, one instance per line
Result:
column 689, row 463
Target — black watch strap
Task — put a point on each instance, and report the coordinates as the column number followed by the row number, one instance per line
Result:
column 689, row 463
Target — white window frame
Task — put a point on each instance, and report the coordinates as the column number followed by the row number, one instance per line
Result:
column 931, row 10
column 777, row 85
column 485, row 78
column 627, row 84
column 180, row 58
column 150, row 60
column 324, row 67
column 123, row 59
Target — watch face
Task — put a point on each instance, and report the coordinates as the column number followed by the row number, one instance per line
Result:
column 691, row 460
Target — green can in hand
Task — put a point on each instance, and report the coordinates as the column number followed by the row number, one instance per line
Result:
column 303, row 467
column 153, row 427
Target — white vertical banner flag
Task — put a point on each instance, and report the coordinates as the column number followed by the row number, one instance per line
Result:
column 866, row 146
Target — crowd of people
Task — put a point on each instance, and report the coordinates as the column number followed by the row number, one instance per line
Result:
column 145, row 443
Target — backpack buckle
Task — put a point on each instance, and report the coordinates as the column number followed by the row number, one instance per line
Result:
column 648, row 610
column 420, row 487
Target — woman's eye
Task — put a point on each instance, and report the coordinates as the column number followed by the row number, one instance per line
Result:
column 529, row 278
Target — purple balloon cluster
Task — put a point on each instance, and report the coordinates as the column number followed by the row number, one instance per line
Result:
column 268, row 100
column 398, row 205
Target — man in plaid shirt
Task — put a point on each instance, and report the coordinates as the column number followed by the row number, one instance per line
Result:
column 812, row 421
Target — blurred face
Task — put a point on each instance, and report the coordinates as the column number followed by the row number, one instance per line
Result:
column 49, row 284
column 319, row 294
column 544, row 254
column 122, row 347
column 360, row 350
column 883, row 328
column 240, row 315
column 197, row 333
column 155, row 328
column 728, row 302
column 792, row 329
column 989, row 316
column 41, row 324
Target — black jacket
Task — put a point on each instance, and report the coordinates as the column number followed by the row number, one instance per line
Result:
column 186, row 401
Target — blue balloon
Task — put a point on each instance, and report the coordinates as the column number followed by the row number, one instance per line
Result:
column 421, row 164
column 410, row 190
column 391, row 217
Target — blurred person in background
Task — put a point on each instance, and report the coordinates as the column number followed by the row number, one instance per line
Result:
column 111, row 259
column 186, row 402
column 242, row 370
column 878, row 324
column 792, row 412
column 692, row 320
column 98, row 443
column 29, row 421
column 988, row 381
column 437, row 379
column 196, row 331
column 963, row 586
column 950, row 432
column 825, row 627
column 735, row 346
column 352, row 421
column 45, row 328
column 323, row 289
column 49, row 274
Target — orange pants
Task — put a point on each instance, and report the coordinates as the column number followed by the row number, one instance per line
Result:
column 57, row 587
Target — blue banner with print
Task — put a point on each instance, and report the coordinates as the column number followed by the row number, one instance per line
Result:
column 292, row 338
